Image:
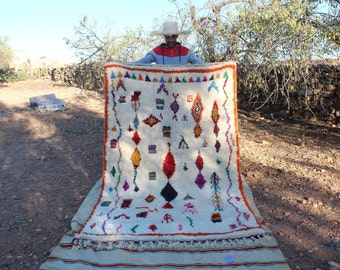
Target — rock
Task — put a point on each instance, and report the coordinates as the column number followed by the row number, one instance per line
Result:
column 287, row 214
column 5, row 113
column 331, row 87
column 333, row 265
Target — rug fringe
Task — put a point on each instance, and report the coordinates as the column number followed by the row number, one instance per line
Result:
column 79, row 244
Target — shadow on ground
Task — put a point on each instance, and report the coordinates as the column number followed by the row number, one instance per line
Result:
column 292, row 168
column 49, row 163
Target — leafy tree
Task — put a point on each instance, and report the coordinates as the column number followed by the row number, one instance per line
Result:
column 91, row 45
column 275, row 41
column 6, row 55
column 325, row 16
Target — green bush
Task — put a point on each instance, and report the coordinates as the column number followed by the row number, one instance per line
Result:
column 12, row 76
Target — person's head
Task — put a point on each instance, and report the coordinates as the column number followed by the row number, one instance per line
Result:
column 170, row 32
column 171, row 40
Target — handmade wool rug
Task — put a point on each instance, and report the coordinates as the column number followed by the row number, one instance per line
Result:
column 171, row 193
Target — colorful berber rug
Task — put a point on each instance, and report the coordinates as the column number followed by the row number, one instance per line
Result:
column 171, row 193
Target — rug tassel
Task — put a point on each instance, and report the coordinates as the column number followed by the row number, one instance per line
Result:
column 173, row 245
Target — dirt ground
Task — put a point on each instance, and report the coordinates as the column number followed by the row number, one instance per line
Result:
column 50, row 161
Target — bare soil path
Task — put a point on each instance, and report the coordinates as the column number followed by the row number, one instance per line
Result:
column 50, row 161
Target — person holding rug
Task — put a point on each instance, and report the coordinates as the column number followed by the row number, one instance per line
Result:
column 171, row 52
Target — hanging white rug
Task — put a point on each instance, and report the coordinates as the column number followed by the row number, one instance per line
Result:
column 171, row 193
column 171, row 174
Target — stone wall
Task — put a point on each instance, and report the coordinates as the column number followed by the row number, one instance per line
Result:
column 320, row 103
column 85, row 76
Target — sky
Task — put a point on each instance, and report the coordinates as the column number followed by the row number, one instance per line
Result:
column 39, row 26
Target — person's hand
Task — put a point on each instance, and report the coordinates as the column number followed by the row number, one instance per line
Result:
column 238, row 65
